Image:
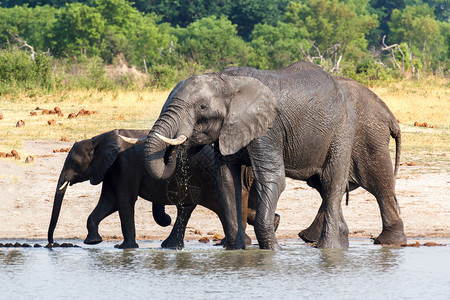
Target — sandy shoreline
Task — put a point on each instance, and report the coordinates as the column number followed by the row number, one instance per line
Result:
column 27, row 192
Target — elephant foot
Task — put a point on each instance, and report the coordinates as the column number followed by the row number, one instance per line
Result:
column 127, row 245
column 223, row 242
column 329, row 243
column 270, row 246
column 313, row 232
column 170, row 243
column 334, row 241
column 93, row 239
column 310, row 234
column 394, row 235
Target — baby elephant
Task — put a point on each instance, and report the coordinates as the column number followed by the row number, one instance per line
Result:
column 119, row 165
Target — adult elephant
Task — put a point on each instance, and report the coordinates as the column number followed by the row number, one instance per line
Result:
column 299, row 124
column 371, row 165
column 119, row 165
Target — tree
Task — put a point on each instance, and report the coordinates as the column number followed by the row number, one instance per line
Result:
column 247, row 13
column 34, row 3
column 78, row 30
column 383, row 9
column 213, row 43
column 274, row 47
column 23, row 21
column 334, row 28
column 182, row 12
column 417, row 27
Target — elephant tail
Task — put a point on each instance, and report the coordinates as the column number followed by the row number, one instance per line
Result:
column 397, row 136
column 347, row 194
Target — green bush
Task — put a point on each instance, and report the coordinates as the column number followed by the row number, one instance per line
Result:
column 165, row 76
column 83, row 73
column 20, row 73
column 370, row 72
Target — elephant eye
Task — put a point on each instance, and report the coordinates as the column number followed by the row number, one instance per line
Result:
column 203, row 106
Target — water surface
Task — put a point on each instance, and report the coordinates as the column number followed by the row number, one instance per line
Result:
column 204, row 271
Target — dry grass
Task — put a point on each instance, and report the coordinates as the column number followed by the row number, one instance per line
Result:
column 410, row 101
column 137, row 110
column 426, row 101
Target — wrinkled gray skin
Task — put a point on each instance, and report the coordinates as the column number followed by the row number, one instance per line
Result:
column 301, row 125
column 119, row 165
column 371, row 165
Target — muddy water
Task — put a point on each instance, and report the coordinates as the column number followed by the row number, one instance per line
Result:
column 204, row 271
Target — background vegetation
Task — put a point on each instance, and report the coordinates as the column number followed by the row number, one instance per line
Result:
column 58, row 45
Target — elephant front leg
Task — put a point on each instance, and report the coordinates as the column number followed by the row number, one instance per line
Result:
column 105, row 206
column 176, row 238
column 228, row 181
column 268, row 194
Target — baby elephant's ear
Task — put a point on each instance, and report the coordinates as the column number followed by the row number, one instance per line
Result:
column 106, row 148
column 252, row 111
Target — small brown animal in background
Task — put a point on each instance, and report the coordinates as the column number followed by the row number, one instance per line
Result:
column 1, row 116
column 29, row 159
column 15, row 154
column 45, row 112
column 20, row 123
column 33, row 113
column 72, row 116
column 51, row 122
column 424, row 124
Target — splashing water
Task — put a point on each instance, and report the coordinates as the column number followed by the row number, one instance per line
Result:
column 182, row 175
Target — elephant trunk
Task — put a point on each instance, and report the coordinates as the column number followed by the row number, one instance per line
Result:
column 57, row 203
column 160, row 158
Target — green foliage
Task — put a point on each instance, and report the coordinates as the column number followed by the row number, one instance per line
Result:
column 164, row 76
column 248, row 13
column 182, row 13
column 332, row 22
column 77, row 31
column 19, row 72
column 175, row 39
column 35, row 3
column 83, row 73
column 23, row 22
column 277, row 46
column 416, row 26
column 213, row 43
column 243, row 13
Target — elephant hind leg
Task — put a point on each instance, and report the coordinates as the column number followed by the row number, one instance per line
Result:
column 393, row 232
column 312, row 233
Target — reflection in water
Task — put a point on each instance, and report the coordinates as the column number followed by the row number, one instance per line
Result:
column 204, row 272
column 381, row 259
column 11, row 257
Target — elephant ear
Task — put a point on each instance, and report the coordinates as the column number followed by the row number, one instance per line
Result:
column 252, row 111
column 106, row 148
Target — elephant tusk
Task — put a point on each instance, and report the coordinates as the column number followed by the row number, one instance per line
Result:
column 64, row 185
column 134, row 141
column 174, row 142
